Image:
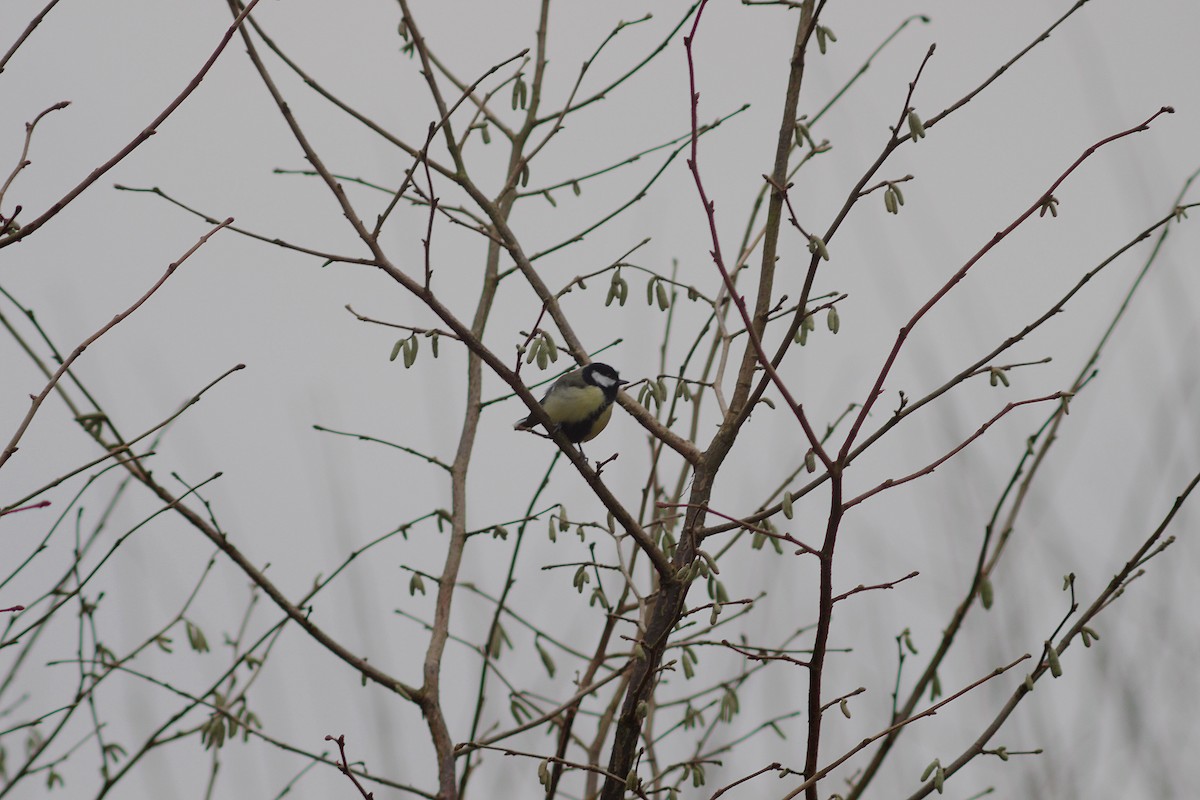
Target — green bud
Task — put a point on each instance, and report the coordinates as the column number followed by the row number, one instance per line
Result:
column 520, row 93
column 1052, row 660
column 196, row 637
column 411, row 346
column 613, row 292
column 786, row 505
column 915, row 126
column 824, row 36
column 729, row 706
column 816, row 246
column 688, row 661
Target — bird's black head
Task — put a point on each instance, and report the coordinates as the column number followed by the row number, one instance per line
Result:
column 604, row 377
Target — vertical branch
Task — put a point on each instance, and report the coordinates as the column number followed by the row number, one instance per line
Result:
column 783, row 148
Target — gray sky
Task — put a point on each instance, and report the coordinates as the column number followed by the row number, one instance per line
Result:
column 1119, row 721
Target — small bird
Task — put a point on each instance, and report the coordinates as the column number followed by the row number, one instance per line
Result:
column 579, row 403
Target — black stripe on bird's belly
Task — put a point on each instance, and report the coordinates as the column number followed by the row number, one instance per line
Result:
column 587, row 429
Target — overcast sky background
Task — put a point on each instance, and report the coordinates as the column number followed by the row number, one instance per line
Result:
column 1121, row 721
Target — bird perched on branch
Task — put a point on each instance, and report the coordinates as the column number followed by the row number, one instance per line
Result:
column 579, row 403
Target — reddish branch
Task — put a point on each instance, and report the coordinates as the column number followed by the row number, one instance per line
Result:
column 1000, row 236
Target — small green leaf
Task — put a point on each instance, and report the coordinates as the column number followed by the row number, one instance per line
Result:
column 196, row 638
column 985, row 592
column 547, row 661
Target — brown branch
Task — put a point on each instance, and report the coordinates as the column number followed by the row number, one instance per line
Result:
column 929, row 712
column 126, row 448
column 467, row 747
column 24, row 161
column 890, row 482
column 137, row 141
column 768, row 768
column 901, row 337
column 33, row 23
column 330, row 257
column 344, row 766
column 887, row 585
column 40, row 398
column 1103, row 599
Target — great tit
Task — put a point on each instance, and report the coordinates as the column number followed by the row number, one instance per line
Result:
column 579, row 403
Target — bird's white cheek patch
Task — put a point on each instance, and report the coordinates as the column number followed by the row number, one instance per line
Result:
column 603, row 381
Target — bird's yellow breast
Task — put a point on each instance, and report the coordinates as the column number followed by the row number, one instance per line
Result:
column 574, row 404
